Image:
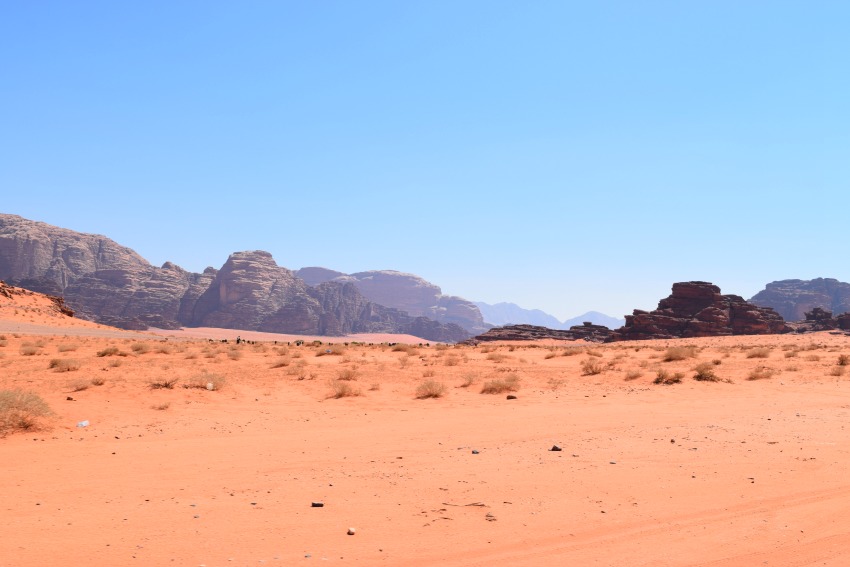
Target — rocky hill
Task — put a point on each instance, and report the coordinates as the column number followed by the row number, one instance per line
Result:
column 586, row 331
column 697, row 309
column 111, row 284
column 794, row 298
column 406, row 292
column 502, row 314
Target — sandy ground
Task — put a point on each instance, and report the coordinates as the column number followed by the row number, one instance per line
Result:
column 733, row 472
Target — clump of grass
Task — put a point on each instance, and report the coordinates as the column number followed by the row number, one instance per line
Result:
column 667, row 378
column 451, row 360
column 115, row 363
column 761, row 373
column 791, row 353
column 592, row 352
column 633, row 375
column 468, row 380
column 429, row 373
column 674, row 354
column 430, row 389
column 281, row 363
column 161, row 407
column 68, row 347
column 79, row 385
column 704, row 372
column 163, row 349
column 375, row 387
column 333, row 350
column 29, row 350
column 496, row 357
column 111, row 351
column 761, row 352
column 812, row 358
column 140, row 348
column 343, row 389
column 162, row 383
column 837, row 371
column 97, row 381
column 234, row 354
column 206, row 381
column 22, row 410
column 792, row 368
column 509, row 383
column 591, row 367
column 409, row 349
column 347, row 374
column 64, row 364
column 843, row 360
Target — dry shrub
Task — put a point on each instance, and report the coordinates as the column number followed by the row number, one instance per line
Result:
column 29, row 350
column 812, row 358
column 115, row 362
column 64, row 364
column 22, row 410
column 761, row 373
column 234, row 354
column 468, row 380
column 162, row 383
column 283, row 362
column 97, row 381
column 140, row 348
column 791, row 353
column 430, row 389
column 591, row 367
column 451, row 360
column 347, row 374
column 111, row 351
column 704, row 372
column 375, row 387
column 761, row 352
column 591, row 352
column 843, row 360
column 509, row 383
column 343, row 389
column 192, row 356
column 674, row 354
column 496, row 357
column 429, row 373
column 792, row 368
column 550, row 355
column 161, row 407
column 332, row 350
column 67, row 347
column 837, row 371
column 572, row 351
column 555, row 383
column 409, row 349
column 79, row 385
column 633, row 375
column 163, row 349
column 206, row 381
column 666, row 377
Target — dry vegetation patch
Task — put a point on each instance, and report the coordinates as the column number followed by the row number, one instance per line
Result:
column 674, row 354
column 508, row 383
column 430, row 389
column 22, row 410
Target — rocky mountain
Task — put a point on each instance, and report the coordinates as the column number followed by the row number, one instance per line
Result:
column 587, row 331
column 793, row 298
column 406, row 292
column 502, row 314
column 697, row 309
column 111, row 284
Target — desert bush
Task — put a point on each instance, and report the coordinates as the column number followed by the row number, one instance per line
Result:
column 79, row 385
column 704, row 372
column 468, row 380
column 115, row 363
column 843, row 360
column 22, row 410
column 666, row 377
column 3, row 342
column 29, row 350
column 111, row 351
column 430, row 389
column 451, row 360
column 206, row 381
column 571, row 351
column 161, row 407
column 761, row 352
column 550, row 355
column 234, row 354
column 792, row 368
column 509, row 383
column 791, row 353
column 343, row 389
column 409, row 349
column 283, row 362
column 162, row 383
column 674, row 354
column 192, row 356
column 97, row 381
column 812, row 358
column 163, row 349
column 429, row 373
column 67, row 347
column 140, row 348
column 332, row 350
column 64, row 364
column 633, row 375
column 347, row 374
column 375, row 387
column 761, row 373
column 837, row 371
column 592, row 352
column 496, row 357
column 591, row 367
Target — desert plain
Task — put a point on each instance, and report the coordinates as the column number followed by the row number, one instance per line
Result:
column 201, row 452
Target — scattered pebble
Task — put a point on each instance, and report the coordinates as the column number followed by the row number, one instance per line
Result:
column 475, row 451
column 317, row 504
column 511, row 397
column 351, row 531
column 555, row 448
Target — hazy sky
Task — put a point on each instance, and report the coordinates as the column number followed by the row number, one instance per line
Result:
column 565, row 156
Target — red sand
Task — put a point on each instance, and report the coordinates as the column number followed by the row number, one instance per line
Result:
column 697, row 473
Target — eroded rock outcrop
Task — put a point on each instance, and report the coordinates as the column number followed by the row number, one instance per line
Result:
column 111, row 284
column 698, row 309
column 587, row 331
column 793, row 298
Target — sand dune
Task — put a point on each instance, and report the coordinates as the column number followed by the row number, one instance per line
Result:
column 734, row 472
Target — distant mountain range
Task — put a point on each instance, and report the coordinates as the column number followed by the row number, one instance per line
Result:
column 502, row 314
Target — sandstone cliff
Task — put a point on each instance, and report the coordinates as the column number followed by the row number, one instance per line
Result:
column 406, row 292
column 794, row 298
column 111, row 284
column 697, row 309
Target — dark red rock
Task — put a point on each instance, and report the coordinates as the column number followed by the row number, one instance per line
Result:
column 698, row 309
column 588, row 331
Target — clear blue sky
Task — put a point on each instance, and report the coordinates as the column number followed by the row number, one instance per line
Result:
column 566, row 156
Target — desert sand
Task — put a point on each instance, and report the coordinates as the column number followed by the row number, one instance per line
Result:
column 737, row 471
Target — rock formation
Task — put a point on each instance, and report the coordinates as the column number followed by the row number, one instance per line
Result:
column 793, row 298
column 697, row 309
column 821, row 320
column 406, row 292
column 587, row 331
column 57, row 303
column 111, row 284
